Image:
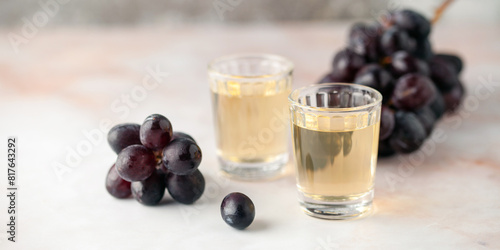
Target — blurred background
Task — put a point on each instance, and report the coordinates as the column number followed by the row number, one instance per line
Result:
column 134, row 12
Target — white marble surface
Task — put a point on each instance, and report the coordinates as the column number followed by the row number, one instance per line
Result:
column 67, row 81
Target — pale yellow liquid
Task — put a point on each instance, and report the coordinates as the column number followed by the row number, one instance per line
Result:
column 251, row 121
column 336, row 165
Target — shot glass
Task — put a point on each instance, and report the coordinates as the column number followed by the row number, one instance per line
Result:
column 249, row 98
column 335, row 130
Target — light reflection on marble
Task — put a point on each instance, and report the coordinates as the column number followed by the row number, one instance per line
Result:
column 65, row 82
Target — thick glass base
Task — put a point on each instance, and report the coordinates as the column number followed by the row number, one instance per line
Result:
column 334, row 208
column 254, row 170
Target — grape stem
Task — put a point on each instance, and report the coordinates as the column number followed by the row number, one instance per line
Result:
column 439, row 11
column 386, row 21
column 386, row 60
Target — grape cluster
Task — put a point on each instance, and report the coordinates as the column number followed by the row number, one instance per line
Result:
column 418, row 86
column 152, row 158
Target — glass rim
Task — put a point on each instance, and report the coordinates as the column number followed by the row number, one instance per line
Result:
column 294, row 102
column 289, row 66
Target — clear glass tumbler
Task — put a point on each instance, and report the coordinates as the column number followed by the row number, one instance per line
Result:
column 249, row 99
column 335, row 130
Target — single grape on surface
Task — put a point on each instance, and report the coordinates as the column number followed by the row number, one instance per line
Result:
column 409, row 133
column 156, row 132
column 135, row 163
column 151, row 190
column 237, row 210
column 117, row 186
column 182, row 156
column 413, row 91
column 186, row 189
column 124, row 135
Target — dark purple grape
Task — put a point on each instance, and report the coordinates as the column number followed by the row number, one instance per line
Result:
column 412, row 45
column 443, row 74
column 395, row 39
column 160, row 167
column 182, row 135
column 438, row 106
column 363, row 39
column 237, row 210
column 182, row 156
column 373, row 75
column 385, row 149
column 386, row 123
column 156, row 132
column 453, row 98
column 453, row 60
column 403, row 63
column 117, row 186
column 123, row 135
column 186, row 189
column 409, row 133
column 151, row 190
column 423, row 50
column 135, row 163
column 346, row 63
column 415, row 24
column 427, row 117
column 413, row 91
column 331, row 78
